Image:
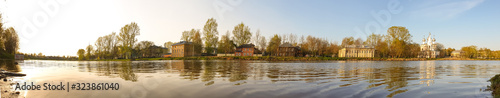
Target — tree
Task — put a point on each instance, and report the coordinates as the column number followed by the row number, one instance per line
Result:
column 127, row 38
column 241, row 34
column 262, row 43
column 100, row 47
column 197, row 42
column 11, row 40
column 186, row 36
column 470, row 51
column 142, row 48
column 448, row 52
column 379, row 43
column 81, row 54
column 225, row 44
column 358, row 41
column 485, row 53
column 347, row 41
column 398, row 37
column 274, row 43
column 256, row 39
column 168, row 45
column 333, row 49
column 210, row 35
column 89, row 52
column 292, row 38
column 110, row 46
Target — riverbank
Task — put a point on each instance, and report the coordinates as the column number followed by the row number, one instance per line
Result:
column 273, row 58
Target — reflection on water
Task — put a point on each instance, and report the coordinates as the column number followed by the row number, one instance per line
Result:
column 10, row 65
column 294, row 79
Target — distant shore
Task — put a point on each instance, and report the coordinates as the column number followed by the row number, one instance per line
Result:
column 273, row 58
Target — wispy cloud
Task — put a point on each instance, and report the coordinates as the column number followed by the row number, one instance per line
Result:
column 446, row 10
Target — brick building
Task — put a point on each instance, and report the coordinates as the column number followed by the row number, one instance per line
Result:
column 182, row 49
column 245, row 50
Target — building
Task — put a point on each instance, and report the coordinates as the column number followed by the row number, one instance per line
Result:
column 183, row 49
column 288, row 49
column 360, row 51
column 428, row 49
column 245, row 50
column 19, row 57
column 457, row 54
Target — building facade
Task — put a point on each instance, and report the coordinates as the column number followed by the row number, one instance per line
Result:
column 288, row 49
column 357, row 51
column 245, row 50
column 183, row 49
column 428, row 49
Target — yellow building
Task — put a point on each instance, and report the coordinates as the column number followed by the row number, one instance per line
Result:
column 357, row 51
column 182, row 49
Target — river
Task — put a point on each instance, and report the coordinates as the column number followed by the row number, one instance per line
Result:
column 261, row 79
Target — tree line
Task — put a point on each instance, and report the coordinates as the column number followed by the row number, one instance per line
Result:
column 396, row 43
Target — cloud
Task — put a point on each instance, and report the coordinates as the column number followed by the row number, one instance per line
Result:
column 446, row 10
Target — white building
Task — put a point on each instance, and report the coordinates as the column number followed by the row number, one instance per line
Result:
column 428, row 49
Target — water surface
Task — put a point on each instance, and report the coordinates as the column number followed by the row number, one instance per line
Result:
column 260, row 79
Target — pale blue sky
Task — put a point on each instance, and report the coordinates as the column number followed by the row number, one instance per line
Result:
column 76, row 23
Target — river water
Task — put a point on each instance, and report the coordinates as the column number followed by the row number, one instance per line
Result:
column 261, row 79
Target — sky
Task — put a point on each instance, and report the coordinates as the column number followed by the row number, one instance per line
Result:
column 61, row 27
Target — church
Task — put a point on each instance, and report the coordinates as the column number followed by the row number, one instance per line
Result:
column 428, row 49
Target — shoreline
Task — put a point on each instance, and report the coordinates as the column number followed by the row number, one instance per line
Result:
column 272, row 58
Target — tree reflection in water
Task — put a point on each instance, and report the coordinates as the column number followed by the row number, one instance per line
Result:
column 10, row 65
column 394, row 77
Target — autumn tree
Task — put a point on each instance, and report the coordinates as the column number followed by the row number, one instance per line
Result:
column 90, row 50
column 241, row 34
column 398, row 37
column 143, row 48
column 262, row 43
column 485, row 53
column 186, row 36
column 379, row 43
column 274, row 43
column 470, row 51
column 225, row 44
column 81, row 54
column 197, row 41
column 127, row 38
column 358, row 42
column 210, row 34
column 333, row 49
column 292, row 39
column 448, row 52
column 100, row 47
column 11, row 40
column 347, row 41
column 168, row 45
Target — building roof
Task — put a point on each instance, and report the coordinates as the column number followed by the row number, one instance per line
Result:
column 246, row 46
column 181, row 43
column 286, row 45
